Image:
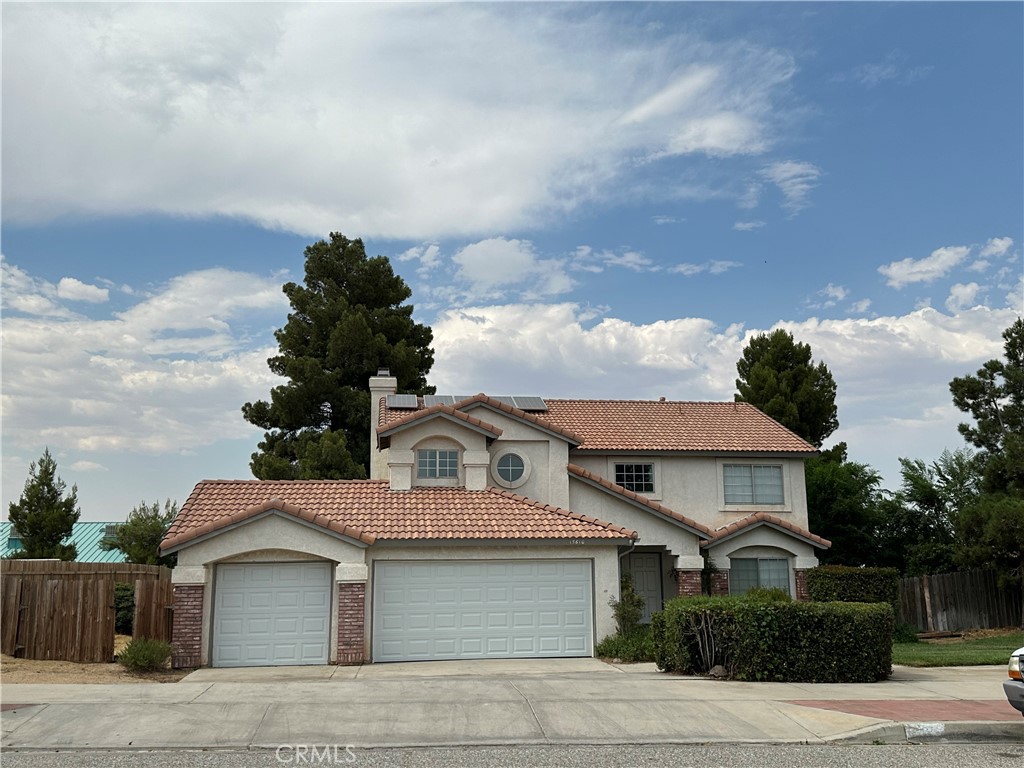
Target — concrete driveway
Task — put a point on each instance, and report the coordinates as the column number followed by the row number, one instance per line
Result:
column 565, row 701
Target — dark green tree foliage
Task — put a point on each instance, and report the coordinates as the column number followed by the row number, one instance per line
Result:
column 918, row 525
column 994, row 397
column 139, row 537
column 347, row 320
column 842, row 503
column 992, row 535
column 777, row 375
column 44, row 516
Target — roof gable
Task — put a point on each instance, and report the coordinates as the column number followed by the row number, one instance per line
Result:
column 445, row 412
column 758, row 519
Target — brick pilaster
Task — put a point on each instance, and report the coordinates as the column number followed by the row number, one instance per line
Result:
column 801, row 584
column 689, row 583
column 351, row 622
column 187, row 629
column 719, row 583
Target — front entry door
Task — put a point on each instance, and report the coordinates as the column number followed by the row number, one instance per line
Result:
column 645, row 569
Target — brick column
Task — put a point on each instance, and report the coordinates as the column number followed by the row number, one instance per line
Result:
column 351, row 622
column 719, row 583
column 187, row 628
column 801, row 584
column 689, row 583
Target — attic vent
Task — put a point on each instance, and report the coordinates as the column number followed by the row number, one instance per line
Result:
column 431, row 400
column 110, row 530
column 14, row 532
column 403, row 402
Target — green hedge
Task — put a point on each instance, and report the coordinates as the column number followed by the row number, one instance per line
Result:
column 828, row 583
column 781, row 641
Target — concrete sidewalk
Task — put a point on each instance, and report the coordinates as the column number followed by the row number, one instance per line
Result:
column 501, row 702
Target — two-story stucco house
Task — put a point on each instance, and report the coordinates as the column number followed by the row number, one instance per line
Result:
column 490, row 528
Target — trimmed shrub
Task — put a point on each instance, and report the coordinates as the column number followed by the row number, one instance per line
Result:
column 124, row 608
column 757, row 639
column 767, row 595
column 632, row 648
column 843, row 583
column 145, row 655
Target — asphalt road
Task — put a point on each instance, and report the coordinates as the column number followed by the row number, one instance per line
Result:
column 718, row 756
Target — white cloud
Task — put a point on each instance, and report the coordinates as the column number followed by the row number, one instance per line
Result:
column 980, row 265
column 892, row 69
column 930, row 268
column 75, row 290
column 713, row 267
column 831, row 295
column 663, row 220
column 747, row 226
column 494, row 265
column 861, row 306
column 892, row 371
column 586, row 259
column 795, row 179
column 996, row 246
column 168, row 373
column 88, row 466
column 962, row 296
column 193, row 94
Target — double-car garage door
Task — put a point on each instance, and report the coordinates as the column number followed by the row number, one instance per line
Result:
column 280, row 613
column 481, row 609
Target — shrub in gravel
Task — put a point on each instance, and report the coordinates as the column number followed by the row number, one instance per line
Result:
column 145, row 655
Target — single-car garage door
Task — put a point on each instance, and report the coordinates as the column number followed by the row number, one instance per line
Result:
column 268, row 614
column 482, row 609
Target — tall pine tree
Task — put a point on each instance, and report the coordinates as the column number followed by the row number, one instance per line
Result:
column 44, row 517
column 778, row 376
column 347, row 320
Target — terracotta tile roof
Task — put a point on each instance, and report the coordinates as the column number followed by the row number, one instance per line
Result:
column 388, row 417
column 412, row 417
column 764, row 518
column 653, row 425
column 369, row 511
column 639, row 499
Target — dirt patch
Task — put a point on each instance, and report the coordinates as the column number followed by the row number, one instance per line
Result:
column 17, row 671
column 972, row 634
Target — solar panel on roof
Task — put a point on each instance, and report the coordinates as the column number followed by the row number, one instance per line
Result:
column 530, row 403
column 460, row 398
column 429, row 400
column 403, row 401
column 504, row 399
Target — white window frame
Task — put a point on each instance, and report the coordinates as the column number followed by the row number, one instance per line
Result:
column 434, row 471
column 527, row 467
column 759, row 578
column 654, row 463
column 787, row 489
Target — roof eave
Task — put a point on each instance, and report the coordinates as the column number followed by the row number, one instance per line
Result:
column 711, row 544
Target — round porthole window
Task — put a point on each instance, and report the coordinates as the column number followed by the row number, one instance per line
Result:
column 511, row 467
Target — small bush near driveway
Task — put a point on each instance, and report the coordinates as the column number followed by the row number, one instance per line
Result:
column 145, row 655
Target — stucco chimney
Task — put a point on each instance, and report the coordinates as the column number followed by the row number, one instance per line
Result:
column 381, row 385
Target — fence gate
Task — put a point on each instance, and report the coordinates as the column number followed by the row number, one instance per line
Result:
column 154, row 601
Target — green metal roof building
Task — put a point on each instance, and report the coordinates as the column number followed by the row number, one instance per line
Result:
column 85, row 536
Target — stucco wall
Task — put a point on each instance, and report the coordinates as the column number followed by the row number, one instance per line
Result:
column 692, row 486
column 604, row 558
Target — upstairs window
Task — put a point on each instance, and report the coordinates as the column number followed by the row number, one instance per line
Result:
column 510, row 467
column 638, row 478
column 432, row 463
column 753, row 484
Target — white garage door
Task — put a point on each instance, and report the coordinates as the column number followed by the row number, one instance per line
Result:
column 268, row 614
column 481, row 609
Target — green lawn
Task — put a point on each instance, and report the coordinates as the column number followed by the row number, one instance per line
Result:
column 958, row 653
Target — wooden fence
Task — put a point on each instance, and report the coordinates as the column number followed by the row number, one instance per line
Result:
column 950, row 602
column 58, row 610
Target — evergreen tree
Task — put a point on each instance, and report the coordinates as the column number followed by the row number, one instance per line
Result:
column 347, row 320
column 778, row 376
column 842, row 505
column 140, row 536
column 44, row 517
column 994, row 396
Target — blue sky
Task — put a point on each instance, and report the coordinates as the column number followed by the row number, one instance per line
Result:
column 593, row 200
